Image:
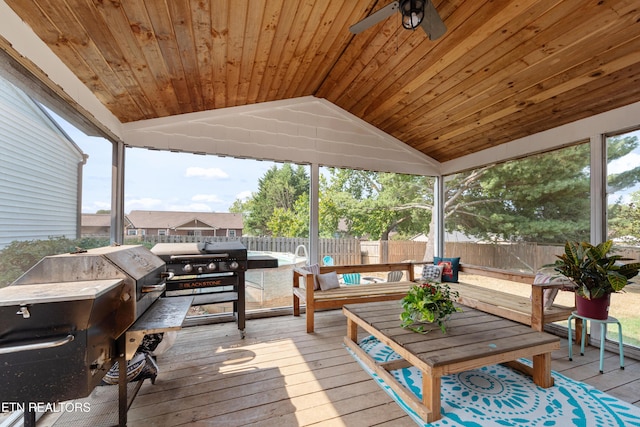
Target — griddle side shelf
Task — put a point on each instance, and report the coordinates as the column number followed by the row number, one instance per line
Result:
column 166, row 314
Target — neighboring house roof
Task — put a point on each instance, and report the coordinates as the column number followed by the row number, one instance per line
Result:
column 185, row 220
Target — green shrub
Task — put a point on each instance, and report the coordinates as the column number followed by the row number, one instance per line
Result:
column 20, row 256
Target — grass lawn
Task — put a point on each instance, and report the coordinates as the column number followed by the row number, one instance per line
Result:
column 625, row 306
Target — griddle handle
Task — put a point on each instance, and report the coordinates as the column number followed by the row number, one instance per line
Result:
column 37, row 346
column 198, row 256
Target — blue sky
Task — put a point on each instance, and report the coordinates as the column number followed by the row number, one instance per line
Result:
column 626, row 163
column 165, row 181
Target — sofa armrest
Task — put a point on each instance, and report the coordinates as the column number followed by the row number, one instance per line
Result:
column 305, row 274
column 308, row 282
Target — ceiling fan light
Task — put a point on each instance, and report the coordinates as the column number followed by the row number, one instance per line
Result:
column 412, row 13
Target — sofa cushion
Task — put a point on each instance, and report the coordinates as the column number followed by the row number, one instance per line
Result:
column 432, row 273
column 450, row 270
column 315, row 269
column 328, row 281
column 549, row 295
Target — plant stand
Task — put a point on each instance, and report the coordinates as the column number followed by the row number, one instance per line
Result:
column 603, row 333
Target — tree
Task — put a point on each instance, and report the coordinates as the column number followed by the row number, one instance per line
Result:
column 543, row 198
column 624, row 220
column 276, row 197
column 375, row 204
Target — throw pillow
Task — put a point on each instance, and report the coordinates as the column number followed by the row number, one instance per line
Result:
column 315, row 269
column 450, row 270
column 432, row 273
column 328, row 280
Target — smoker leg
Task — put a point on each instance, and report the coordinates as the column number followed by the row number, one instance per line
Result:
column 122, row 382
column 241, row 303
column 29, row 416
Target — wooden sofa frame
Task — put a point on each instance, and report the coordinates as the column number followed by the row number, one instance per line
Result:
column 529, row 311
column 352, row 294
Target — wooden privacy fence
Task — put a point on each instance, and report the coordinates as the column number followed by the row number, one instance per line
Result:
column 343, row 251
column 520, row 257
column 523, row 257
column 385, row 251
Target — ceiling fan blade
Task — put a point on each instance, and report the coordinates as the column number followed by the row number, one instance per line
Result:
column 432, row 23
column 374, row 18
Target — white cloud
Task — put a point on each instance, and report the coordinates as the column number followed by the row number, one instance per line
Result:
column 145, row 204
column 208, row 173
column 210, row 198
column 244, row 195
column 93, row 207
column 625, row 163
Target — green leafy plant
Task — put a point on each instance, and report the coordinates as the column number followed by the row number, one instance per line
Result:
column 593, row 270
column 428, row 302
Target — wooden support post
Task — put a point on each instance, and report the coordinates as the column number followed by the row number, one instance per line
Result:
column 537, row 308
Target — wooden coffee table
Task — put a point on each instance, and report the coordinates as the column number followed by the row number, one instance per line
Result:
column 473, row 339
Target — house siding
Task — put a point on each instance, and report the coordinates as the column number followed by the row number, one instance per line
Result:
column 38, row 172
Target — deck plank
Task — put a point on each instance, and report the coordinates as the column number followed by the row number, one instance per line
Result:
column 280, row 375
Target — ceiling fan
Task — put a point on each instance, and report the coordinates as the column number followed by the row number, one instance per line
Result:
column 414, row 13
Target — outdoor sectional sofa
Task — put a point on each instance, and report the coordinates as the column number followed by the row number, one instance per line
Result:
column 527, row 310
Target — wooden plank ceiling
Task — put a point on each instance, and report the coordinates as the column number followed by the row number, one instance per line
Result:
column 503, row 70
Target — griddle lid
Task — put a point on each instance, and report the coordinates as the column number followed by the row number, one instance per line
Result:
column 221, row 247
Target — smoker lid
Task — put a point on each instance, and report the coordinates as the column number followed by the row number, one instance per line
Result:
column 217, row 247
column 55, row 292
column 135, row 260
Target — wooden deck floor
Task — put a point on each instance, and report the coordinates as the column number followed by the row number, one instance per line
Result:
column 281, row 376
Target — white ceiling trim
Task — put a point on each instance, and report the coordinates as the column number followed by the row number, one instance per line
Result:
column 302, row 130
column 613, row 121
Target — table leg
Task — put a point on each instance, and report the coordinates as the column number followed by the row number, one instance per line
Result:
column 352, row 330
column 431, row 396
column 542, row 370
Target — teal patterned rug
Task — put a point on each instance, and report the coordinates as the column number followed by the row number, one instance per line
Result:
column 499, row 396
